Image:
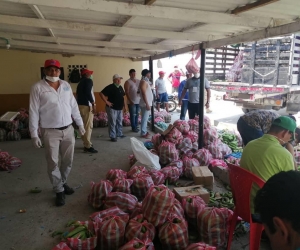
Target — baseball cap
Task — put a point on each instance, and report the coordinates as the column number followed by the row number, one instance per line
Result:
column 145, row 72
column 115, row 76
column 51, row 63
column 286, row 123
column 161, row 72
column 86, row 71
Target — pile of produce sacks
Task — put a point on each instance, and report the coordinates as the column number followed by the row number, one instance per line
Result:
column 142, row 210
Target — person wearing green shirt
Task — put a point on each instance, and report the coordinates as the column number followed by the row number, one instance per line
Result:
column 266, row 156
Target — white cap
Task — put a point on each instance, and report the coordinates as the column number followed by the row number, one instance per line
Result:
column 115, row 76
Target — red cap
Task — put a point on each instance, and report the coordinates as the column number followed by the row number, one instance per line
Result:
column 161, row 72
column 51, row 63
column 86, row 71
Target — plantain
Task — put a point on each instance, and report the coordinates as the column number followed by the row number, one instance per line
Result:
column 71, row 223
column 35, row 190
column 75, row 231
column 55, row 233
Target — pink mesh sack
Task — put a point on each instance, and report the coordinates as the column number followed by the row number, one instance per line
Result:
column 188, row 163
column 157, row 204
column 141, row 183
column 157, row 177
column 178, row 164
column 213, row 225
column 98, row 216
column 140, row 228
column 167, row 152
column 125, row 202
column 137, row 210
column 11, row 163
column 111, row 233
column 203, row 156
column 185, row 145
column 99, row 192
column 156, row 140
column 192, row 135
column 174, row 136
column 210, row 135
column 200, row 246
column 177, row 209
column 171, row 174
column 194, row 125
column 122, row 185
column 191, row 206
column 136, row 170
column 126, row 122
column 218, row 149
column 173, row 234
column 113, row 174
column 136, row 243
column 182, row 126
column 192, row 66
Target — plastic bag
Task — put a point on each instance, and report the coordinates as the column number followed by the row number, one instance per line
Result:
column 142, row 154
column 192, row 66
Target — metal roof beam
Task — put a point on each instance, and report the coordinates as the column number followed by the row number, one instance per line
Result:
column 86, row 42
column 129, row 53
column 251, row 6
column 104, row 29
column 255, row 35
column 40, row 15
column 130, row 9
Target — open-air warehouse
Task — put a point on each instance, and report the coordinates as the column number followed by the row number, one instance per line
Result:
column 118, row 200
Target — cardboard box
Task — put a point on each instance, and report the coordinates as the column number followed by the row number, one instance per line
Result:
column 203, row 176
column 221, row 173
column 198, row 190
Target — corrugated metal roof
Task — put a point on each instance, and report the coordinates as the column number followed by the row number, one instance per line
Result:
column 130, row 29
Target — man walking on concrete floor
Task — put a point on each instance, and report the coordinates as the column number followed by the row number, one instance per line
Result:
column 86, row 104
column 113, row 96
column 52, row 106
column 133, row 99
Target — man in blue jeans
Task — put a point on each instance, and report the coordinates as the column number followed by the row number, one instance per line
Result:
column 133, row 99
column 185, row 99
column 161, row 92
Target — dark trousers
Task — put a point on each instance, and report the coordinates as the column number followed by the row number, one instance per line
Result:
column 184, row 107
column 247, row 132
column 134, row 115
column 193, row 109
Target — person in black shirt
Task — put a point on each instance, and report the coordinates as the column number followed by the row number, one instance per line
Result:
column 86, row 104
column 113, row 96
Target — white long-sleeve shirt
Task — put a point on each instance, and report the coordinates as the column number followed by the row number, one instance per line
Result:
column 49, row 108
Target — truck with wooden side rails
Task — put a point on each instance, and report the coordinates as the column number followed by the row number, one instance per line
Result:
column 268, row 76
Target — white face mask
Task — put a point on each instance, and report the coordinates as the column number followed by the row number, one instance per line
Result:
column 52, row 78
column 197, row 75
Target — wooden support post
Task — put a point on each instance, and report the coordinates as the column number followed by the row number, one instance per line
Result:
column 152, row 106
column 201, row 98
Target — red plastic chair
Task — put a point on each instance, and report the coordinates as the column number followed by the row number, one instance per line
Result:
column 241, row 182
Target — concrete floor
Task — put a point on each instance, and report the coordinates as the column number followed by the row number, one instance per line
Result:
column 32, row 230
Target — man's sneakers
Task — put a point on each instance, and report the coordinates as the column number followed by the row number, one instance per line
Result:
column 136, row 130
column 60, row 199
column 114, row 139
column 146, row 136
column 90, row 150
column 68, row 190
column 208, row 111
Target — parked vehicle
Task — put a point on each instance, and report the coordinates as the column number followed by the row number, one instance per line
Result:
column 269, row 76
column 172, row 104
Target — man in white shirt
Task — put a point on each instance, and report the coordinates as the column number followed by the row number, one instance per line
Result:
column 161, row 91
column 145, row 102
column 52, row 106
column 133, row 99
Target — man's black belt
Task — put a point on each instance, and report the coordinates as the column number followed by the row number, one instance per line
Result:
column 63, row 128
